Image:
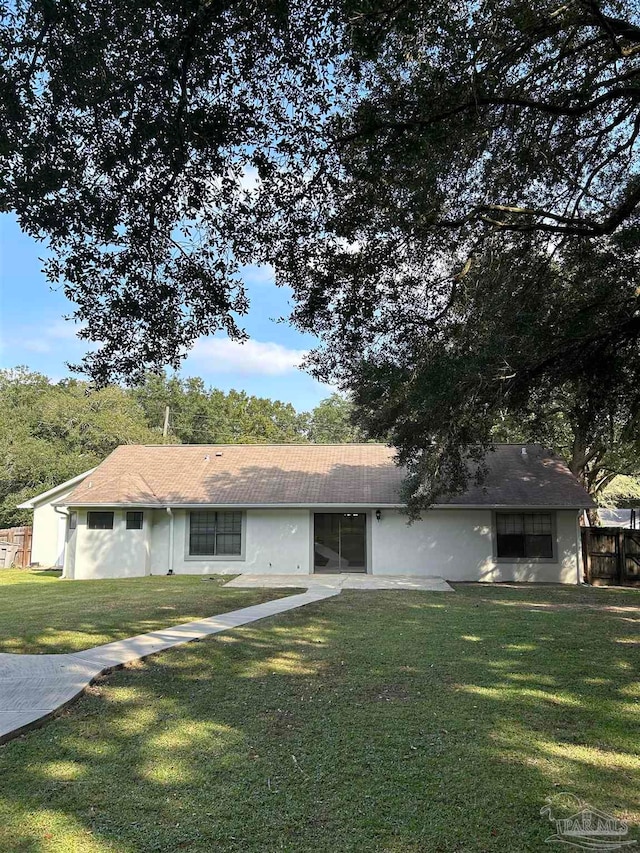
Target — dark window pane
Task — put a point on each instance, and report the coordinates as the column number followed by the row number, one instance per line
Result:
column 511, row 545
column 327, row 541
column 229, row 522
column 100, row 520
column 73, row 520
column 353, row 541
column 228, row 543
column 214, row 534
column 524, row 535
column 201, row 545
column 134, row 520
column 202, row 533
column 509, row 523
column 537, row 523
column 539, row 546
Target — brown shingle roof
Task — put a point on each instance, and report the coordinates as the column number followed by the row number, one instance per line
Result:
column 268, row 474
column 533, row 478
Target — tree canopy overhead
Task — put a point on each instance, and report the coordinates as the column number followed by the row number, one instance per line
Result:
column 451, row 190
column 132, row 132
column 476, row 246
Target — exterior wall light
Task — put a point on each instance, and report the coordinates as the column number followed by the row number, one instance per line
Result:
column 378, row 515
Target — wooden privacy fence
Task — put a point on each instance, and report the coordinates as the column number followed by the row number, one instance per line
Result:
column 611, row 556
column 20, row 536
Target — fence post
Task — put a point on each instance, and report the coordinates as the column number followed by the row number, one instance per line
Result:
column 586, row 556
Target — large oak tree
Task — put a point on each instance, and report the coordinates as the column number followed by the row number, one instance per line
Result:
column 451, row 189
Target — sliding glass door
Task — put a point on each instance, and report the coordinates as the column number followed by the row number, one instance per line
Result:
column 340, row 542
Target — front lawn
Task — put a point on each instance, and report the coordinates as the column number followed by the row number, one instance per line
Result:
column 40, row 613
column 404, row 722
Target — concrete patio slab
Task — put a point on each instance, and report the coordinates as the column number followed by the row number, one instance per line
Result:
column 345, row 580
column 35, row 687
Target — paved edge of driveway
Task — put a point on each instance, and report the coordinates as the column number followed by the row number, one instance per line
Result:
column 35, row 688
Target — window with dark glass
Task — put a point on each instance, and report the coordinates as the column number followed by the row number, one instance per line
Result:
column 100, row 520
column 215, row 534
column 73, row 520
column 524, row 534
column 134, row 521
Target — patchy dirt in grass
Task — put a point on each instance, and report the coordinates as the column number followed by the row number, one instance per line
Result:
column 280, row 722
column 388, row 693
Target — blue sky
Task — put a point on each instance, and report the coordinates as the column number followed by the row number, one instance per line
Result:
column 33, row 331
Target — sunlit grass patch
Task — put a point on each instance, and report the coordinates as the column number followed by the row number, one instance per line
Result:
column 507, row 693
column 286, row 663
column 63, row 771
column 41, row 614
column 369, row 723
column 589, row 755
column 168, row 770
column 191, row 734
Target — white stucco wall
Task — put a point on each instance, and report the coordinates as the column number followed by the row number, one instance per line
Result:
column 49, row 530
column 457, row 544
column 275, row 541
column 116, row 553
column 70, row 552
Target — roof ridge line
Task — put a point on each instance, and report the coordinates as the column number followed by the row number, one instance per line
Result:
column 269, row 444
column 144, row 480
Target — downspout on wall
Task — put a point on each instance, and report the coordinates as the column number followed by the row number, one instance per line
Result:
column 171, row 519
column 65, row 513
column 579, row 562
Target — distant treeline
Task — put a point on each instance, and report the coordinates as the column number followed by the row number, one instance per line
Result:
column 51, row 431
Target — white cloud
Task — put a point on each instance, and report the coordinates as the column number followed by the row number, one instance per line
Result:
column 64, row 330
column 36, row 345
column 249, row 179
column 221, row 355
column 46, row 337
column 253, row 274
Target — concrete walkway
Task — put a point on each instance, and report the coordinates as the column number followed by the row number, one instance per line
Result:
column 35, row 687
column 342, row 581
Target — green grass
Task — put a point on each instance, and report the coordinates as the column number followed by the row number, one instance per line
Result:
column 39, row 613
column 374, row 721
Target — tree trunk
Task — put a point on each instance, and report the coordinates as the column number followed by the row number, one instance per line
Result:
column 594, row 517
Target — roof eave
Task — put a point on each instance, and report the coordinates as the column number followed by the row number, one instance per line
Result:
column 42, row 497
column 318, row 505
column 272, row 505
column 523, row 506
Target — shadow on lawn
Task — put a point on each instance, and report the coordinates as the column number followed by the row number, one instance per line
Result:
column 34, row 574
column 45, row 573
column 376, row 721
column 76, row 615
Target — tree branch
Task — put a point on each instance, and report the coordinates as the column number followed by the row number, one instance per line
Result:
column 567, row 110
